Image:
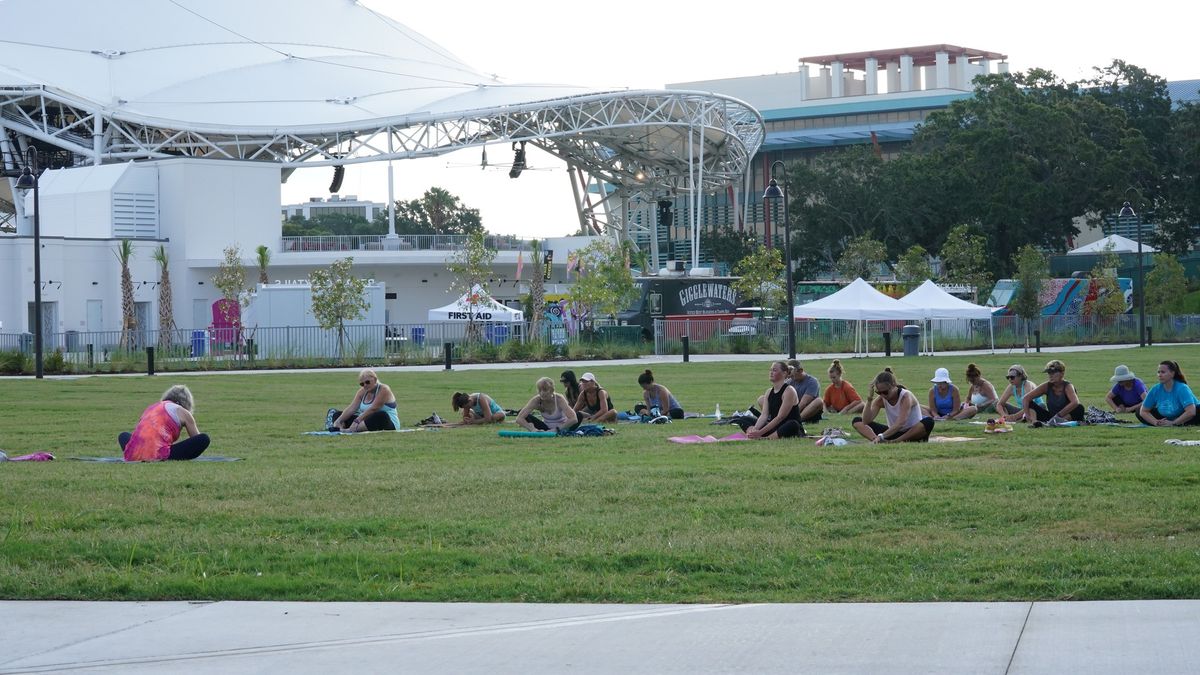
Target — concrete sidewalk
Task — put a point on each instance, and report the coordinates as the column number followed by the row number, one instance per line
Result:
column 290, row 637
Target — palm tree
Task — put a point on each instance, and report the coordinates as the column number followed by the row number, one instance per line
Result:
column 124, row 254
column 166, row 312
column 537, row 290
column 264, row 259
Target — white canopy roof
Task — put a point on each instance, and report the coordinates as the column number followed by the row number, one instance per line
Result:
column 938, row 304
column 1119, row 245
column 858, row 301
column 476, row 305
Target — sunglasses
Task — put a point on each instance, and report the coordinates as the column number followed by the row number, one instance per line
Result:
column 1051, row 371
column 1012, row 377
column 364, row 383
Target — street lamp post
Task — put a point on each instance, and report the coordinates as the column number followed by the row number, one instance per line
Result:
column 1127, row 212
column 773, row 192
column 28, row 180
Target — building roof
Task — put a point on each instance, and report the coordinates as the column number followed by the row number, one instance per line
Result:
column 922, row 56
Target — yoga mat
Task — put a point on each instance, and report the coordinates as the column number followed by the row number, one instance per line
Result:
column 348, row 433
column 707, row 439
column 509, row 433
column 121, row 460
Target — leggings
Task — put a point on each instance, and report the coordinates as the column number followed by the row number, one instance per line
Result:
column 188, row 448
column 788, row 429
column 1158, row 416
column 542, row 426
column 1044, row 415
column 878, row 428
column 376, row 421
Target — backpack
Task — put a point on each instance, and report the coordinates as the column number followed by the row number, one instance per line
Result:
column 1094, row 415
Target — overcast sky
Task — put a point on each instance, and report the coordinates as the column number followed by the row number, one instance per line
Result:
column 625, row 44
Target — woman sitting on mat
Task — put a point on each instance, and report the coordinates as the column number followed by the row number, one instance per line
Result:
column 944, row 399
column 1170, row 402
column 1012, row 399
column 373, row 408
column 570, row 386
column 981, row 396
column 1127, row 392
column 658, row 397
column 594, row 403
column 1062, row 403
column 840, row 395
column 477, row 408
column 556, row 412
column 781, row 413
column 903, row 412
column 155, row 436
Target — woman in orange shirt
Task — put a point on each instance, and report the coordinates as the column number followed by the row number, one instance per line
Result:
column 840, row 396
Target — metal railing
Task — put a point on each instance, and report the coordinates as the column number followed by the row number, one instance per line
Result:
column 403, row 242
column 713, row 336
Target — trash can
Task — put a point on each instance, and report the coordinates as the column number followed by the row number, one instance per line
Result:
column 499, row 334
column 912, row 340
column 199, row 337
column 26, row 342
column 71, row 341
column 418, row 335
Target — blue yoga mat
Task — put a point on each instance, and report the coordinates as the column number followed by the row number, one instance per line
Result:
column 121, row 460
column 508, row 433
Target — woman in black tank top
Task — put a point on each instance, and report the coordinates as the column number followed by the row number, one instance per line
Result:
column 781, row 419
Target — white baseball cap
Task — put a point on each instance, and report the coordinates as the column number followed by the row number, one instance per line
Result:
column 941, row 375
column 587, row 377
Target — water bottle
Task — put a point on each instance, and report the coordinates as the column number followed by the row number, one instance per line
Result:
column 717, row 414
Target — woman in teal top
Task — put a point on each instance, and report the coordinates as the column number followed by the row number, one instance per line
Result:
column 373, row 408
column 1170, row 402
column 473, row 407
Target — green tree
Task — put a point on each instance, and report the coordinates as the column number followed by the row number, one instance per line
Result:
column 1165, row 286
column 166, row 310
column 862, row 257
column 262, row 256
column 435, row 212
column 124, row 254
column 337, row 297
column 1106, row 298
column 727, row 245
column 605, row 285
column 760, row 276
column 471, row 267
column 1032, row 271
column 1178, row 212
column 840, row 197
column 230, row 280
column 913, row 268
column 964, row 261
column 537, row 289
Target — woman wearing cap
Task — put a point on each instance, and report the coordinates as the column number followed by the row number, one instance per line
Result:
column 944, row 399
column 570, row 386
column 781, row 411
column 1127, row 392
column 556, row 412
column 594, row 403
column 904, row 420
column 477, row 408
column 808, row 392
column 1061, row 400
column 1018, row 387
column 659, row 397
column 981, row 397
column 1170, row 402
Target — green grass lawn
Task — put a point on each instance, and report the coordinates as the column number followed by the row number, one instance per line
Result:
column 462, row 515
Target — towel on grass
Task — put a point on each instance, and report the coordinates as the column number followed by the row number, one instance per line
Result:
column 32, row 457
column 1176, row 441
column 121, row 460
column 708, row 439
column 952, row 439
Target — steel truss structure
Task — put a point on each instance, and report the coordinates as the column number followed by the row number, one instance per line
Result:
column 620, row 146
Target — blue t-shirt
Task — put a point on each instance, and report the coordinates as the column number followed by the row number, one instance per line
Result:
column 1169, row 404
column 1129, row 397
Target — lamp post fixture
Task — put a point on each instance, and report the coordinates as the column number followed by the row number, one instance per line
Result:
column 28, row 180
column 1128, row 212
column 773, row 192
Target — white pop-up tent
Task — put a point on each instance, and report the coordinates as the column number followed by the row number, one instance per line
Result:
column 936, row 303
column 859, row 301
column 477, row 305
column 1114, row 242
